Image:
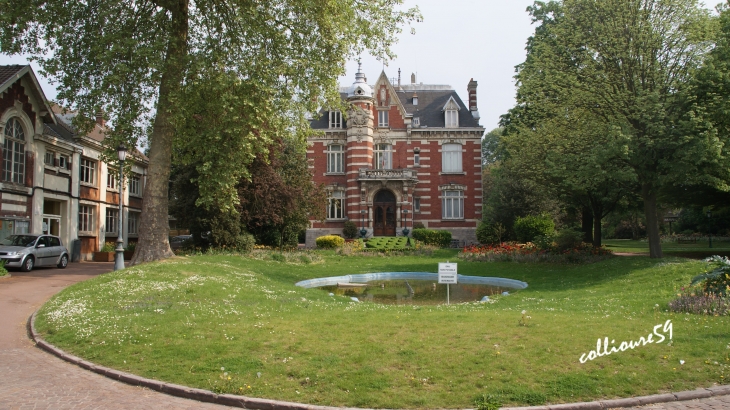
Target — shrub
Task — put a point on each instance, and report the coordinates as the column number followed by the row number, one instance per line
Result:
column 419, row 225
column 3, row 271
column 489, row 233
column 568, row 239
column 350, row 230
column 433, row 237
column 717, row 281
column 245, row 242
column 131, row 246
column 530, row 227
column 330, row 241
column 108, row 247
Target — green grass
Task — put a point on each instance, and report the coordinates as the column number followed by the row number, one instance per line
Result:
column 186, row 319
column 671, row 248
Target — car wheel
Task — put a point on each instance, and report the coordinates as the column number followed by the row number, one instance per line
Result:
column 28, row 264
column 63, row 262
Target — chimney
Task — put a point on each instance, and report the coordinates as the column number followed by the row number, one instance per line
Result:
column 413, row 78
column 399, row 78
column 100, row 118
column 472, row 90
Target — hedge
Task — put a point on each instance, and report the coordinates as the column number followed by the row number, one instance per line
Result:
column 433, row 237
column 330, row 242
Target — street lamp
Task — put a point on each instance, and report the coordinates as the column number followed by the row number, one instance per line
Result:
column 119, row 257
column 709, row 226
column 363, row 231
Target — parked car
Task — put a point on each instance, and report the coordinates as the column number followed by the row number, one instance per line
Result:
column 177, row 242
column 28, row 251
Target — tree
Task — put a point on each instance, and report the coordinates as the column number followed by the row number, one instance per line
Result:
column 625, row 62
column 223, row 77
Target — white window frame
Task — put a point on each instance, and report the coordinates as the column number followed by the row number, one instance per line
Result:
column 49, row 159
column 133, row 223
column 135, row 185
column 87, row 171
column 336, row 205
column 451, row 158
column 335, row 119
column 63, row 161
column 86, row 218
column 112, row 220
column 452, row 204
column 335, row 159
column 383, row 119
column 451, row 118
column 383, row 156
column 416, row 204
column 416, row 121
column 14, row 152
column 111, row 181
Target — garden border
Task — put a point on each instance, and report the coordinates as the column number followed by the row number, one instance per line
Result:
column 266, row 404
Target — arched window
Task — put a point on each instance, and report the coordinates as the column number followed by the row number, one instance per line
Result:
column 14, row 152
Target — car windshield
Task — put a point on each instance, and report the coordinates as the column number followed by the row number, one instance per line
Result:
column 19, row 240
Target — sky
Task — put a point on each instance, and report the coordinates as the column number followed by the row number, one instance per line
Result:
column 457, row 40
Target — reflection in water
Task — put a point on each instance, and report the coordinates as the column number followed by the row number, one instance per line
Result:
column 417, row 292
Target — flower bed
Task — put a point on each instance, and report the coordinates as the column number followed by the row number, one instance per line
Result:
column 529, row 252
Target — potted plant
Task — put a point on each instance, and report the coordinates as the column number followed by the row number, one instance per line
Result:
column 129, row 250
column 106, row 253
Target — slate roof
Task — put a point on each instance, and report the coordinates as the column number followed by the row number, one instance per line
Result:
column 8, row 72
column 428, row 110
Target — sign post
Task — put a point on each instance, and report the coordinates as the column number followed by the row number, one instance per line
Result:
column 447, row 275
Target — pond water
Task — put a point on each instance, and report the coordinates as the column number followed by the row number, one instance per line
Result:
column 417, row 292
column 420, row 288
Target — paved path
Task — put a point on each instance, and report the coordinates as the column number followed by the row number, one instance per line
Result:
column 33, row 379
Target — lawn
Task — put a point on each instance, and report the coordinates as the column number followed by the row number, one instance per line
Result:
column 239, row 325
column 699, row 249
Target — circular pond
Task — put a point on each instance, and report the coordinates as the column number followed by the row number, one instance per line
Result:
column 419, row 288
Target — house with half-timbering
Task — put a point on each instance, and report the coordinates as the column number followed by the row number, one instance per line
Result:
column 53, row 180
column 401, row 154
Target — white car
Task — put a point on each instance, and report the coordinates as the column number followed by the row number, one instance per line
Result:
column 28, row 251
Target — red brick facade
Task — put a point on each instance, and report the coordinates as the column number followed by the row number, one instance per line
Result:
column 407, row 183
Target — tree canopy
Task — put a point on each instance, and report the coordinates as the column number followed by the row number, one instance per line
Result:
column 218, row 78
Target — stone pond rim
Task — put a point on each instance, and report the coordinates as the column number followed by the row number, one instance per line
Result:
column 368, row 277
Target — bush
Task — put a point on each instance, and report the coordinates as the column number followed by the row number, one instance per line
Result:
column 245, row 242
column 530, row 227
column 568, row 239
column 330, row 242
column 3, row 271
column 131, row 246
column 419, row 225
column 489, row 233
column 108, row 247
column 350, row 230
column 433, row 237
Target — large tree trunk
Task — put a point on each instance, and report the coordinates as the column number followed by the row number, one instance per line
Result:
column 652, row 222
column 597, row 214
column 587, row 224
column 154, row 230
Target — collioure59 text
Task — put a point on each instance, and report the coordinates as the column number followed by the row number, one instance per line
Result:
column 602, row 346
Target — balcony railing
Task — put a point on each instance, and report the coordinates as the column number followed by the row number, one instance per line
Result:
column 396, row 174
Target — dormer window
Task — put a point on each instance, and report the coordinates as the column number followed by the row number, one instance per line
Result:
column 415, row 99
column 451, row 113
column 416, row 121
column 335, row 119
column 452, row 119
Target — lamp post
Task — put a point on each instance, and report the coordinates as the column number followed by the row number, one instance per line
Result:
column 709, row 226
column 119, row 257
column 405, row 226
column 363, row 231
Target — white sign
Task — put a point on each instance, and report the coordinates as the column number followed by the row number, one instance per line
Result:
column 447, row 273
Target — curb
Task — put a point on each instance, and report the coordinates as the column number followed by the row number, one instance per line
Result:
column 265, row 404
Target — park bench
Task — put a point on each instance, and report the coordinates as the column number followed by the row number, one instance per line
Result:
column 686, row 240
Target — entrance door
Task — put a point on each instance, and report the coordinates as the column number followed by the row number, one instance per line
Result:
column 384, row 214
column 51, row 225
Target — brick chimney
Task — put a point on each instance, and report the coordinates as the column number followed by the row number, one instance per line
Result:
column 100, row 118
column 472, row 89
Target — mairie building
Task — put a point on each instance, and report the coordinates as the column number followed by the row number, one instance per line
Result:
column 402, row 154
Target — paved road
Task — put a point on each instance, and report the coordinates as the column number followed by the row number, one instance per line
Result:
column 33, row 379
